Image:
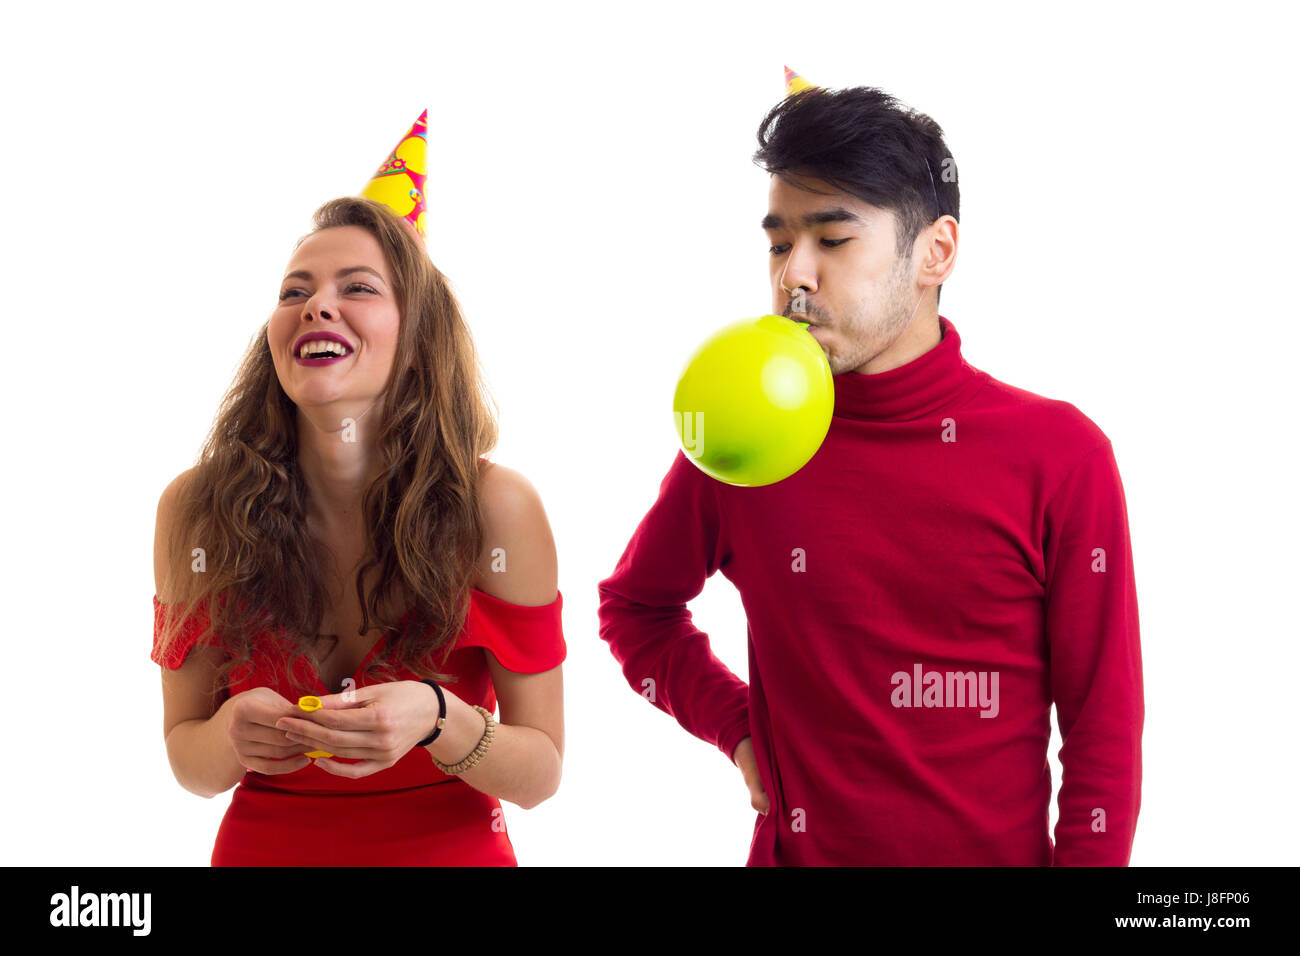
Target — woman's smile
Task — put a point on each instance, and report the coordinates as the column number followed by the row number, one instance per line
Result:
column 323, row 358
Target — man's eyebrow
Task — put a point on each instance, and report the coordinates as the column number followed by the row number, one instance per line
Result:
column 304, row 274
column 819, row 218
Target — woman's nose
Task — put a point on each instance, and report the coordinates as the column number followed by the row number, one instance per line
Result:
column 318, row 307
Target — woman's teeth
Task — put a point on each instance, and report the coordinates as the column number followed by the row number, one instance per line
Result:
column 318, row 347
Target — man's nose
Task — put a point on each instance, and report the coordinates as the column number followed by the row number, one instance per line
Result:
column 799, row 277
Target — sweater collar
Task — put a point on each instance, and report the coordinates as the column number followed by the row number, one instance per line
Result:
column 924, row 385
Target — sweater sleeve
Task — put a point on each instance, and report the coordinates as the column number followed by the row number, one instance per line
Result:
column 526, row 639
column 645, row 621
column 1096, row 664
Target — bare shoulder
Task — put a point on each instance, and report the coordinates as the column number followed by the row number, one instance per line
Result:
column 505, row 491
column 518, row 562
column 164, row 562
column 187, row 691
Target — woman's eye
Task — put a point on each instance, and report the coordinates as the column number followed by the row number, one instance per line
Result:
column 832, row 243
column 355, row 285
column 777, row 250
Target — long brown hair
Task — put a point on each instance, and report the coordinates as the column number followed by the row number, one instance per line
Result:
column 244, row 502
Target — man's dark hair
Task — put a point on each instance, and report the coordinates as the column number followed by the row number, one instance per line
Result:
column 864, row 143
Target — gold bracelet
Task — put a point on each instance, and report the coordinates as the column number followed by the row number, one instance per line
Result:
column 477, row 753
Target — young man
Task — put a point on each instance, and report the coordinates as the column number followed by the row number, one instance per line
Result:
column 954, row 559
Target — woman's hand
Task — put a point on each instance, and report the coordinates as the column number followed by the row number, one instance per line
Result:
column 253, row 734
column 376, row 725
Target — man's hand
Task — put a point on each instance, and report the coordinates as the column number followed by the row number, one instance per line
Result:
column 744, row 759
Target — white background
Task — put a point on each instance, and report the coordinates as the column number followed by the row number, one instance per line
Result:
column 1127, row 244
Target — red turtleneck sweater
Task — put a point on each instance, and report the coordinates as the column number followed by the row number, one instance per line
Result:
column 954, row 559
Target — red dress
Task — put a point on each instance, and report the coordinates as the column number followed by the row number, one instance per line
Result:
column 411, row 814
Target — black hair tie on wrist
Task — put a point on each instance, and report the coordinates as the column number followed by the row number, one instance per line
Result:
column 442, row 714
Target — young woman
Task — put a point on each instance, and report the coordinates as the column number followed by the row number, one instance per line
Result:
column 342, row 537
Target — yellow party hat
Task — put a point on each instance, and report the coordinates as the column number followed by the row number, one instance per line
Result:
column 399, row 183
column 794, row 83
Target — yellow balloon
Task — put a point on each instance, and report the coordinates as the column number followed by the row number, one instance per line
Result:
column 754, row 402
column 309, row 703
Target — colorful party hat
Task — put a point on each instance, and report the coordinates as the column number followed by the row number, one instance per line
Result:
column 794, row 83
column 399, row 183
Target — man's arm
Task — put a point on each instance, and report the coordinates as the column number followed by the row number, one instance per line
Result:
column 644, row 619
column 1096, row 664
